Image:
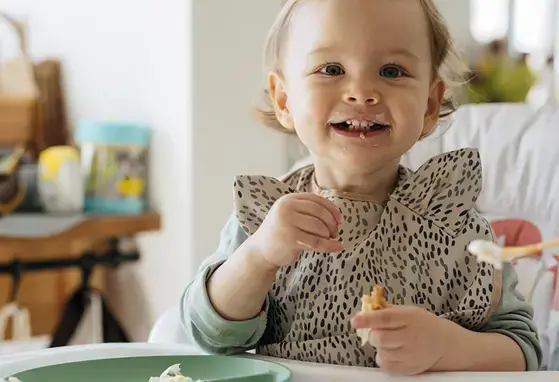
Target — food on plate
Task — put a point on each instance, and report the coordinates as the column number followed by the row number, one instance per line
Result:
column 172, row 374
column 369, row 303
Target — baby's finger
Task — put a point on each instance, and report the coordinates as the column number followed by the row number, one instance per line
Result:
column 388, row 365
column 325, row 203
column 312, row 225
column 316, row 243
column 387, row 339
column 379, row 320
column 311, row 208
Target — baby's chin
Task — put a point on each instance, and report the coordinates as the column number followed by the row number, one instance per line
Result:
column 350, row 160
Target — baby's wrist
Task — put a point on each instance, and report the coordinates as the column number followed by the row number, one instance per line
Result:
column 455, row 347
column 256, row 260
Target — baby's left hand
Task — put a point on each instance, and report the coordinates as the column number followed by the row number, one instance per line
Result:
column 409, row 340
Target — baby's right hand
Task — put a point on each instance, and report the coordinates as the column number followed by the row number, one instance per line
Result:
column 297, row 222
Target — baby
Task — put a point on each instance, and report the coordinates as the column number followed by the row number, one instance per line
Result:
column 360, row 82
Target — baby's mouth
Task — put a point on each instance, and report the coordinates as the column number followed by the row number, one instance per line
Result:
column 360, row 126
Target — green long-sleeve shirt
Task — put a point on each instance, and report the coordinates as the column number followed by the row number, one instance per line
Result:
column 205, row 327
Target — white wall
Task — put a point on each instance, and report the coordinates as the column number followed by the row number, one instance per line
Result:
column 457, row 14
column 228, row 41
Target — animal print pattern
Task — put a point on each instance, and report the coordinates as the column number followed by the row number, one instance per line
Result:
column 414, row 246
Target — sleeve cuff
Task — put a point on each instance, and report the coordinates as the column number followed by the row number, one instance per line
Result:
column 531, row 356
column 216, row 329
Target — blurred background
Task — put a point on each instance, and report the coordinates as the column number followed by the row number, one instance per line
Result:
column 177, row 79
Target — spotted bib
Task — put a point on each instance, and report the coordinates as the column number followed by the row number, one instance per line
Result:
column 414, row 246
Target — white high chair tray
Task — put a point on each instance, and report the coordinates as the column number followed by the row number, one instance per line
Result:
column 302, row 372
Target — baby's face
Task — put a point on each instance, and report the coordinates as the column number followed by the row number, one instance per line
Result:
column 362, row 61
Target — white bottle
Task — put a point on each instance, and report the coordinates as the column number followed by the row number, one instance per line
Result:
column 60, row 180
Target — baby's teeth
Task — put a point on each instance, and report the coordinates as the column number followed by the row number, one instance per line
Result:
column 356, row 124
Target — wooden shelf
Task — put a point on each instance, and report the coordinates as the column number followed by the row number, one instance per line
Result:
column 35, row 237
column 38, row 236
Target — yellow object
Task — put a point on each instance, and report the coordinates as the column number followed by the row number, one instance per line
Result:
column 131, row 187
column 60, row 182
column 51, row 160
column 515, row 83
column 374, row 301
column 489, row 252
column 511, row 253
column 369, row 303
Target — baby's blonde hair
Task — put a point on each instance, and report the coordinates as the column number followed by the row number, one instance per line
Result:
column 446, row 62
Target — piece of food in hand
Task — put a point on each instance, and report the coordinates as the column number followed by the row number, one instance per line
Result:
column 172, row 374
column 375, row 301
column 369, row 303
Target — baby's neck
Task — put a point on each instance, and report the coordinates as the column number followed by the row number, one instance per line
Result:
column 377, row 184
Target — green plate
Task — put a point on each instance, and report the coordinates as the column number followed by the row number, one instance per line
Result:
column 140, row 369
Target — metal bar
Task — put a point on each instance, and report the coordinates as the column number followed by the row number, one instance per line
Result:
column 112, row 258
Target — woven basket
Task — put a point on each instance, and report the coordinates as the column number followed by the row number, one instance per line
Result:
column 18, row 94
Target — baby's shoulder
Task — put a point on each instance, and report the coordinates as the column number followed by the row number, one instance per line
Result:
column 444, row 189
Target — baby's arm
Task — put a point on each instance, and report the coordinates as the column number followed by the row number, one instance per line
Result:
column 514, row 319
column 241, row 320
column 508, row 341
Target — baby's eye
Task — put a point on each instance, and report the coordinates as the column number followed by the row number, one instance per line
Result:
column 391, row 71
column 332, row 70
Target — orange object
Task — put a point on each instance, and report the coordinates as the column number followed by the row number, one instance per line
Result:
column 371, row 302
column 375, row 301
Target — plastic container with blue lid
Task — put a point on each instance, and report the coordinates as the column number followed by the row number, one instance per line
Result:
column 114, row 159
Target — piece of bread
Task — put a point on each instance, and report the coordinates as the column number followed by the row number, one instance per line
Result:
column 375, row 301
column 369, row 303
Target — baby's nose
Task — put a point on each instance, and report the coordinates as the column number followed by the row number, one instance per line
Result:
column 372, row 100
column 362, row 93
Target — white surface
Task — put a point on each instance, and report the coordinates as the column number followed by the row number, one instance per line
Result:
column 302, row 372
column 38, row 225
column 168, row 328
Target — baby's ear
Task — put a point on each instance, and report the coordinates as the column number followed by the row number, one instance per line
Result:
column 434, row 105
column 278, row 97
